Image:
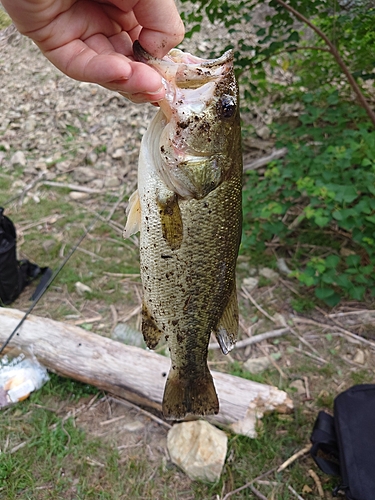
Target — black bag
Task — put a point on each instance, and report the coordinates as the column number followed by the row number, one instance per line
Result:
column 344, row 445
column 14, row 274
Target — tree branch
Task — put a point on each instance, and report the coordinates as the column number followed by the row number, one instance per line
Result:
column 352, row 82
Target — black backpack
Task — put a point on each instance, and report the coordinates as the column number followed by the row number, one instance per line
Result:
column 15, row 274
column 344, row 445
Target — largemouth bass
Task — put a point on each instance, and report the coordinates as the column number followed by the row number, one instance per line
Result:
column 188, row 211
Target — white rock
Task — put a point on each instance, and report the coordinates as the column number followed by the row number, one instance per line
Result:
column 268, row 273
column 118, row 154
column 250, row 283
column 77, row 195
column 359, row 357
column 133, row 426
column 263, row 132
column 258, row 365
column 199, row 449
column 18, row 159
column 81, row 288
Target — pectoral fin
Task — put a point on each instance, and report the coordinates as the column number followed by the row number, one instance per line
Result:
column 227, row 329
column 170, row 218
column 133, row 212
column 151, row 333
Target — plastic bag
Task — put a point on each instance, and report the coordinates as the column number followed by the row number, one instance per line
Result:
column 19, row 376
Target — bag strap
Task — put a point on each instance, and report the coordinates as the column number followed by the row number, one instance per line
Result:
column 324, row 441
column 46, row 274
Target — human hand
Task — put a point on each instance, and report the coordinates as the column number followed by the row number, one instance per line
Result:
column 91, row 40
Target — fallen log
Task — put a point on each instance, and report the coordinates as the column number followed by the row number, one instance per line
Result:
column 132, row 373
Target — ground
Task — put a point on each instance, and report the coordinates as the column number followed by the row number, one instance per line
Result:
column 68, row 154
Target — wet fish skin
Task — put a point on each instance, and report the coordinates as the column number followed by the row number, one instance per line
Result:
column 189, row 184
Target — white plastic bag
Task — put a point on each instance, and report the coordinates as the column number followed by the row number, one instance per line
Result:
column 19, row 376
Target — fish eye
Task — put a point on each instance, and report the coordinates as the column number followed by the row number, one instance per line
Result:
column 226, row 106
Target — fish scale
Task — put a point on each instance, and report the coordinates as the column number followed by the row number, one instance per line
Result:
column 189, row 210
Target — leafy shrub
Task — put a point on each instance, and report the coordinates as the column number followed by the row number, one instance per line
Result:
column 322, row 194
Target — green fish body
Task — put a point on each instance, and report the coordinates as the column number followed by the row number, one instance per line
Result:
column 188, row 210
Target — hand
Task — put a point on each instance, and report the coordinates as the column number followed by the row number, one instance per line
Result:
column 91, row 40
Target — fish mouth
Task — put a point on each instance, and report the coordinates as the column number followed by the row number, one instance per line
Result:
column 189, row 167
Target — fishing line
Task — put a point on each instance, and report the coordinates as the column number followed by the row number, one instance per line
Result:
column 52, row 278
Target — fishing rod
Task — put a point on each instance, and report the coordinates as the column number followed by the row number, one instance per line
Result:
column 53, row 277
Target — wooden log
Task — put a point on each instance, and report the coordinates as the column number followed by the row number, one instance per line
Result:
column 135, row 374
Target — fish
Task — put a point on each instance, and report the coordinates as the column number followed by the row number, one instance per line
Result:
column 188, row 210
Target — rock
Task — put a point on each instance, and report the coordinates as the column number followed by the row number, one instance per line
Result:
column 92, row 158
column 112, row 181
column 18, row 158
column 84, row 174
column 263, row 132
column 258, row 365
column 128, row 335
column 299, row 386
column 250, row 283
column 77, row 195
column 199, row 449
column 81, row 288
column 359, row 357
column 268, row 273
column 118, row 154
column 282, row 266
column 48, row 245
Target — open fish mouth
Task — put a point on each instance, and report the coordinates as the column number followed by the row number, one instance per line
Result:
column 188, row 163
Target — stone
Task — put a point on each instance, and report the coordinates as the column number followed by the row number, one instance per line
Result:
column 258, row 365
column 18, row 158
column 77, row 195
column 112, row 181
column 84, row 174
column 359, row 357
column 263, row 132
column 81, row 288
column 299, row 386
column 118, row 154
column 269, row 274
column 250, row 283
column 199, row 449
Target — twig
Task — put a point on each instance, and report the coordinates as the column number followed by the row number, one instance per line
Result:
column 141, row 410
column 74, row 187
column 112, row 420
column 294, row 457
column 114, row 317
column 253, row 301
column 350, row 313
column 254, row 340
column 261, row 162
column 247, row 485
column 92, row 254
column 310, row 355
column 292, row 490
column 116, row 204
column 299, row 319
column 257, row 493
column 30, row 186
column 336, row 55
column 273, row 362
column 316, row 479
column 88, row 320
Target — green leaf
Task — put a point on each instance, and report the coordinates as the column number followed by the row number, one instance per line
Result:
column 357, row 292
column 353, row 260
column 324, row 293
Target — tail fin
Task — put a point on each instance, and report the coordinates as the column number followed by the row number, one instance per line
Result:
column 183, row 395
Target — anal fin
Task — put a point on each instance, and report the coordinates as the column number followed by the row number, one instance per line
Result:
column 189, row 396
column 227, row 328
column 133, row 212
column 151, row 333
